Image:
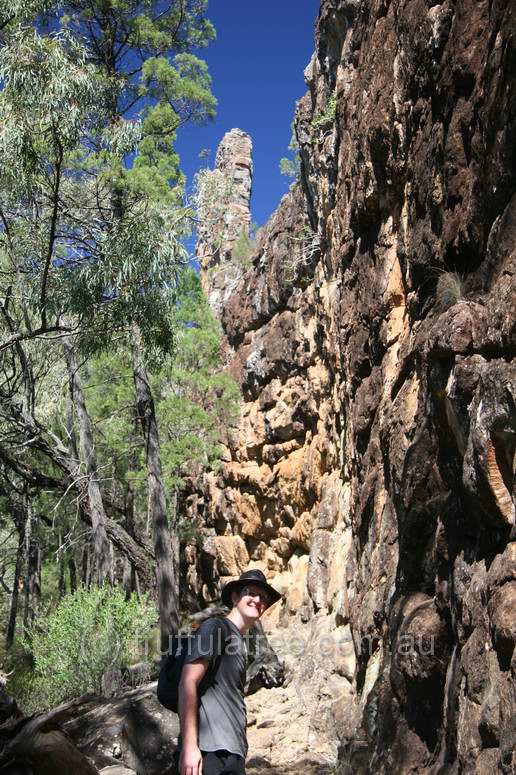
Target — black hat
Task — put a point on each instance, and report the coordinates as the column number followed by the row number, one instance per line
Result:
column 248, row 577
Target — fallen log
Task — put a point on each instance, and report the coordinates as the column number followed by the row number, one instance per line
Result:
column 36, row 745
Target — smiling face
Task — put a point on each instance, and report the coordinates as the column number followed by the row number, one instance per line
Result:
column 251, row 601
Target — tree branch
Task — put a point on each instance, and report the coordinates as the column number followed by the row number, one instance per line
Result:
column 32, row 476
column 26, row 335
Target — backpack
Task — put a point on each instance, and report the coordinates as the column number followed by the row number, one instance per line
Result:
column 172, row 666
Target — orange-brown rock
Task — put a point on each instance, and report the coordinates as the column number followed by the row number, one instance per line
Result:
column 373, row 336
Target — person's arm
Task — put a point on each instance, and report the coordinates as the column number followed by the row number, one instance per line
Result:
column 190, row 762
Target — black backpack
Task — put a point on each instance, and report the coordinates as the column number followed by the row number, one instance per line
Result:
column 172, row 666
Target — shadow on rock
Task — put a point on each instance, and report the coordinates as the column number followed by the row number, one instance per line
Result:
column 131, row 730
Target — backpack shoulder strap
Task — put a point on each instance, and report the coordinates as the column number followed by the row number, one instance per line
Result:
column 226, row 634
column 211, row 675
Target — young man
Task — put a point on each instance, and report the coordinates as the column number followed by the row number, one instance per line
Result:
column 213, row 719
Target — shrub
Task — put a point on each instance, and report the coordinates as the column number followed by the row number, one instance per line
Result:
column 304, row 248
column 291, row 167
column 326, row 117
column 212, row 190
column 243, row 249
column 91, row 632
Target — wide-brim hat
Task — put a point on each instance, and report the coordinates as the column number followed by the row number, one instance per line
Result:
column 248, row 577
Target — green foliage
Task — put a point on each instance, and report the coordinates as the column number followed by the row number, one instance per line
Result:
column 243, row 249
column 92, row 226
column 90, row 632
column 49, row 100
column 291, row 167
column 92, row 222
column 288, row 167
column 66, row 251
column 193, row 401
column 90, row 185
column 179, row 91
column 143, row 51
column 326, row 118
column 212, row 191
column 22, row 11
column 303, row 248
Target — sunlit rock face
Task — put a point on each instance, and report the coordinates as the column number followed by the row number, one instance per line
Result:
column 371, row 474
column 229, row 218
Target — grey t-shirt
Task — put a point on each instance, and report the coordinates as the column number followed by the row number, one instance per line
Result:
column 222, row 717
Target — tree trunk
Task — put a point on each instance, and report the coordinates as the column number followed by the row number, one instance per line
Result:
column 32, row 581
column 176, row 544
column 137, row 549
column 70, row 429
column 102, row 569
column 72, row 571
column 164, row 542
column 85, row 567
column 62, row 576
column 32, row 589
column 36, row 579
column 29, row 547
column 130, row 574
column 129, row 577
column 18, row 571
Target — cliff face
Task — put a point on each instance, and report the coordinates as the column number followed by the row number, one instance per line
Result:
column 371, row 474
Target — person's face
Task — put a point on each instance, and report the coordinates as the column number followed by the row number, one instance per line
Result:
column 252, row 601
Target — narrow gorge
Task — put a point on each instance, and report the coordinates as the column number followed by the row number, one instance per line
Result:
column 329, row 399
column 372, row 333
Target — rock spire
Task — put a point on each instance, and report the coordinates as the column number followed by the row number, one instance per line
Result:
column 226, row 214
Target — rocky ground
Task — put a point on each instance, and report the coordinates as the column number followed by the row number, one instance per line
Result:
column 291, row 728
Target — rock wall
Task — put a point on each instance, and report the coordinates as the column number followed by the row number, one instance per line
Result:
column 371, row 474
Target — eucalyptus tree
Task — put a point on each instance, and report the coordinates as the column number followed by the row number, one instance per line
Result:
column 93, row 93
column 90, row 186
column 193, row 401
column 143, row 51
column 69, row 266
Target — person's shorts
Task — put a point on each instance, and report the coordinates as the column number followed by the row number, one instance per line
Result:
column 218, row 763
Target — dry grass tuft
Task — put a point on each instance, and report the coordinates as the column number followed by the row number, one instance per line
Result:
column 449, row 290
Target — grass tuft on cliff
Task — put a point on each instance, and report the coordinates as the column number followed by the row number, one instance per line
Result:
column 449, row 290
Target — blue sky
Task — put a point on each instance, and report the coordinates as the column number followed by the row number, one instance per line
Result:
column 257, row 65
